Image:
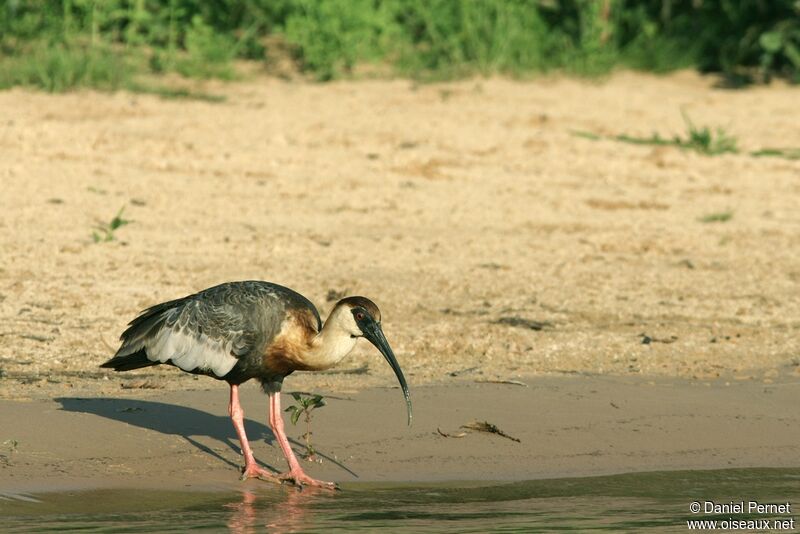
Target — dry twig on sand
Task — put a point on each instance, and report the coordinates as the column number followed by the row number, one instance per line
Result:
column 486, row 426
column 446, row 435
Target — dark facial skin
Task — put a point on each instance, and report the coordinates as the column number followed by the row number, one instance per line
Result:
column 374, row 334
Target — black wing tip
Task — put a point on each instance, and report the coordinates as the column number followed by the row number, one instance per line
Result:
column 149, row 318
column 137, row 360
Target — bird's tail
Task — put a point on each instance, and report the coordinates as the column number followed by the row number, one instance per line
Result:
column 131, row 354
column 137, row 360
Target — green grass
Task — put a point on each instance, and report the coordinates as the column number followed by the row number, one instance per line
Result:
column 63, row 44
column 785, row 153
column 61, row 67
column 700, row 139
column 208, row 54
column 705, row 140
column 586, row 135
column 722, row 216
column 106, row 231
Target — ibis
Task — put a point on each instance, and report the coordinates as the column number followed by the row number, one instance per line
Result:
column 253, row 329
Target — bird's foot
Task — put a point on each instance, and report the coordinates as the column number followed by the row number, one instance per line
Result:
column 253, row 471
column 299, row 478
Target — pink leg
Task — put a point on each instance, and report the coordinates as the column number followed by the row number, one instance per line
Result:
column 251, row 468
column 296, row 472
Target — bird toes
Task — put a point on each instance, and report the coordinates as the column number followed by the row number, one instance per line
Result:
column 252, row 471
column 301, row 479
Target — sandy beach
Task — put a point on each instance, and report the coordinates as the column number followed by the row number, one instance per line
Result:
column 499, row 245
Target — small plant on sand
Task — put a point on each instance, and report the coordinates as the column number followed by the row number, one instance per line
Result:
column 786, row 153
column 105, row 232
column 700, row 139
column 306, row 404
column 722, row 216
column 705, row 141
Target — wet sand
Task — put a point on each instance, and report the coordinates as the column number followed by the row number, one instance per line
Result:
column 569, row 426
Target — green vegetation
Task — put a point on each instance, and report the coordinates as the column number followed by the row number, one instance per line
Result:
column 61, row 44
column 59, row 67
column 105, row 232
column 723, row 216
column 785, row 153
column 305, row 405
column 703, row 140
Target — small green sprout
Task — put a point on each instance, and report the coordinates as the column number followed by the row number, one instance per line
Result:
column 305, row 405
column 105, row 232
column 700, row 139
column 586, row 135
column 704, row 141
column 722, row 216
column 786, row 153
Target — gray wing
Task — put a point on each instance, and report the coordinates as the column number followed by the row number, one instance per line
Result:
column 199, row 337
column 209, row 331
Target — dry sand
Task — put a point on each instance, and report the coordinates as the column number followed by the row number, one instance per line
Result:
column 455, row 207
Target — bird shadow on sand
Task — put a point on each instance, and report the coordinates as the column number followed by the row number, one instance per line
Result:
column 188, row 423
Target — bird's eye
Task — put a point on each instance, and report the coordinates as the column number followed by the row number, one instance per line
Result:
column 359, row 316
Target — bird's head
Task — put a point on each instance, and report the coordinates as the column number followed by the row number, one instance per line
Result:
column 360, row 317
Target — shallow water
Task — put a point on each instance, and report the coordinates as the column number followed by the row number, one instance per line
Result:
column 633, row 502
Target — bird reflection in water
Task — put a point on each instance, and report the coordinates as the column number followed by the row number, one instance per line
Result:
column 287, row 513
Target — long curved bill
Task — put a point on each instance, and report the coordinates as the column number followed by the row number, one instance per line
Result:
column 375, row 336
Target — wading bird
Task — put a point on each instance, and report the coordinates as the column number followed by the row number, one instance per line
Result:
column 242, row 330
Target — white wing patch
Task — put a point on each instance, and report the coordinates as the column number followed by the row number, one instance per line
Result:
column 191, row 352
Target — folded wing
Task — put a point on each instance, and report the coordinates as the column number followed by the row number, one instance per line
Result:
column 205, row 333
